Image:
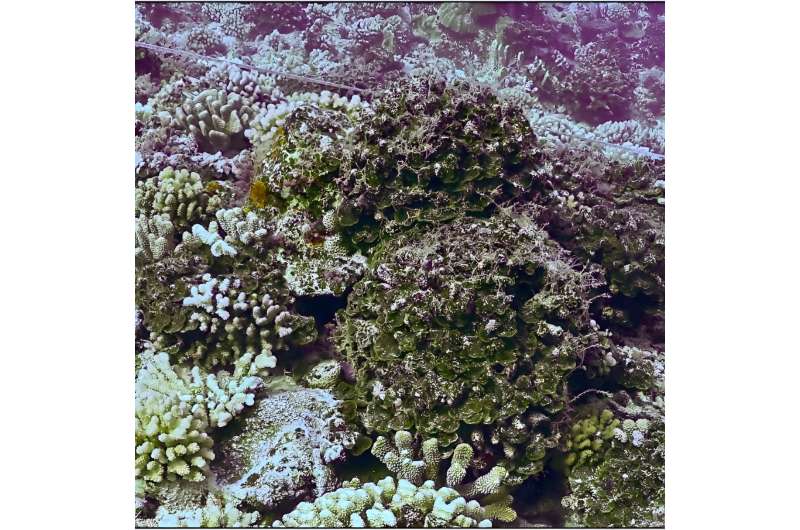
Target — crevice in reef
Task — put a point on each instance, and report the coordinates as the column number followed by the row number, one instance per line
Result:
column 538, row 500
column 322, row 307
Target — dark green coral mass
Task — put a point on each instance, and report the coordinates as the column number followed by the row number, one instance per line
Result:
column 473, row 323
column 430, row 153
column 425, row 153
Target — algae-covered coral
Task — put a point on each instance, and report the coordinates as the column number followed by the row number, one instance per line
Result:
column 399, row 265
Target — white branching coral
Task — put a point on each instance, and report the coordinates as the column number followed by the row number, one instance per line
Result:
column 154, row 237
column 172, row 439
column 388, row 504
column 399, row 458
column 175, row 411
column 619, row 140
column 240, row 227
column 630, row 133
column 231, row 228
column 235, row 321
column 209, row 237
column 226, row 395
column 180, row 194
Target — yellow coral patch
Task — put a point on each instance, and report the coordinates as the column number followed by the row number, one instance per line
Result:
column 258, row 194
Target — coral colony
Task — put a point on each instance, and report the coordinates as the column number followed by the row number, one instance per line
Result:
column 399, row 265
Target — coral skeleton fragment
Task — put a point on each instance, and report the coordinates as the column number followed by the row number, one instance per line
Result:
column 399, row 265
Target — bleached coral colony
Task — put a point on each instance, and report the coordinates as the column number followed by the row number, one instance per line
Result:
column 417, row 280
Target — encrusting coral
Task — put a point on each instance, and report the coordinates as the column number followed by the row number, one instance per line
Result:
column 455, row 326
column 283, row 450
column 431, row 152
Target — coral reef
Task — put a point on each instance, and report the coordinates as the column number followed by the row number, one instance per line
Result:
column 399, row 264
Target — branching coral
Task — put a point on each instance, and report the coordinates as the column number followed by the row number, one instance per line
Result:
column 231, row 229
column 244, row 307
column 233, row 321
column 176, row 410
column 216, row 119
column 154, row 237
column 171, row 437
column 205, row 41
column 389, row 504
column 230, row 15
column 399, row 459
column 181, row 194
column 602, row 88
column 630, row 132
column 172, row 427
